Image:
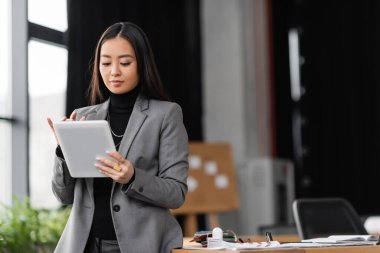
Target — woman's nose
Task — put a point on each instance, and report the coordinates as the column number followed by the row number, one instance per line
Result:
column 115, row 71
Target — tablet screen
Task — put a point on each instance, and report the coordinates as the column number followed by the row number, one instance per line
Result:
column 81, row 142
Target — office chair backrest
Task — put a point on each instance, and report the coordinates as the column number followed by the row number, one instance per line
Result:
column 327, row 216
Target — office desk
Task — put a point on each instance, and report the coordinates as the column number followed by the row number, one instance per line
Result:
column 282, row 238
column 254, row 238
column 241, row 251
column 351, row 249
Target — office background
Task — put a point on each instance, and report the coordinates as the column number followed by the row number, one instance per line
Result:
column 227, row 63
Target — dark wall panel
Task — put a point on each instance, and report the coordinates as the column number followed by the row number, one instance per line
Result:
column 340, row 109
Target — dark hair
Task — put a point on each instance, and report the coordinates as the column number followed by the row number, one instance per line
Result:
column 149, row 78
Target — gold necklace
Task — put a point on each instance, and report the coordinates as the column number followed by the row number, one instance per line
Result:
column 109, row 123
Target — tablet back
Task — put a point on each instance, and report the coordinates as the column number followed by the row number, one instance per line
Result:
column 81, row 142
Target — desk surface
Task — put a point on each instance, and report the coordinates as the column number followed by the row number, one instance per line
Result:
column 255, row 238
column 352, row 249
column 284, row 238
column 244, row 251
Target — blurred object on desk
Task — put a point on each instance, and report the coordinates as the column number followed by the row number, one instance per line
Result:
column 188, row 241
column 200, row 237
column 372, row 225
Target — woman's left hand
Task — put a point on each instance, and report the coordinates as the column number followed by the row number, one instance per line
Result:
column 119, row 169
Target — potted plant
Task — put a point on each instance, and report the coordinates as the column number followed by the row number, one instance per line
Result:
column 27, row 229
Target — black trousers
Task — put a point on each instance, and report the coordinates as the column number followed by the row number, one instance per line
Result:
column 97, row 245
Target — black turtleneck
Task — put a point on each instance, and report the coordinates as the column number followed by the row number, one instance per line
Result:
column 120, row 110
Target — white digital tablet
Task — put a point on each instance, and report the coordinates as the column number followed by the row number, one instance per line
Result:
column 81, row 142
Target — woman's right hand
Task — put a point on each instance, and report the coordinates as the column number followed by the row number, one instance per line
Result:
column 73, row 117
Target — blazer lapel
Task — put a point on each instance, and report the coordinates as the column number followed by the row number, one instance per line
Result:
column 135, row 122
column 100, row 114
column 101, row 111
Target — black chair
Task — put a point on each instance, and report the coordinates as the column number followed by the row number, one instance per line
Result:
column 326, row 216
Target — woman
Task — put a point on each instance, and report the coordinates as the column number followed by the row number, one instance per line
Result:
column 128, row 211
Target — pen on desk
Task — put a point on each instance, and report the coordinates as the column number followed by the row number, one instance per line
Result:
column 268, row 236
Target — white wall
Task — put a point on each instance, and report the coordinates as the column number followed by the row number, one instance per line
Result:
column 223, row 74
column 235, row 76
column 236, row 98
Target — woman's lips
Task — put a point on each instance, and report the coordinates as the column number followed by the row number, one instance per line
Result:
column 116, row 83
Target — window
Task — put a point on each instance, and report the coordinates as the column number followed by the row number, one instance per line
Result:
column 47, row 76
column 26, row 152
column 47, row 94
column 52, row 14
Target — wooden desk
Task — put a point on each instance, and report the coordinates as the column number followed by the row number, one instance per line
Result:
column 255, row 238
column 352, row 249
column 243, row 251
column 282, row 238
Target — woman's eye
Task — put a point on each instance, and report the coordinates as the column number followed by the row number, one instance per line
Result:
column 106, row 63
column 125, row 63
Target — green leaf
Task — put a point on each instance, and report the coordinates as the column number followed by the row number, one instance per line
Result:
column 25, row 229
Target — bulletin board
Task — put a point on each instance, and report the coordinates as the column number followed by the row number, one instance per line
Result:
column 212, row 181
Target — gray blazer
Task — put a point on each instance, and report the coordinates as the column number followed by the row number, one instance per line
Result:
column 156, row 143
